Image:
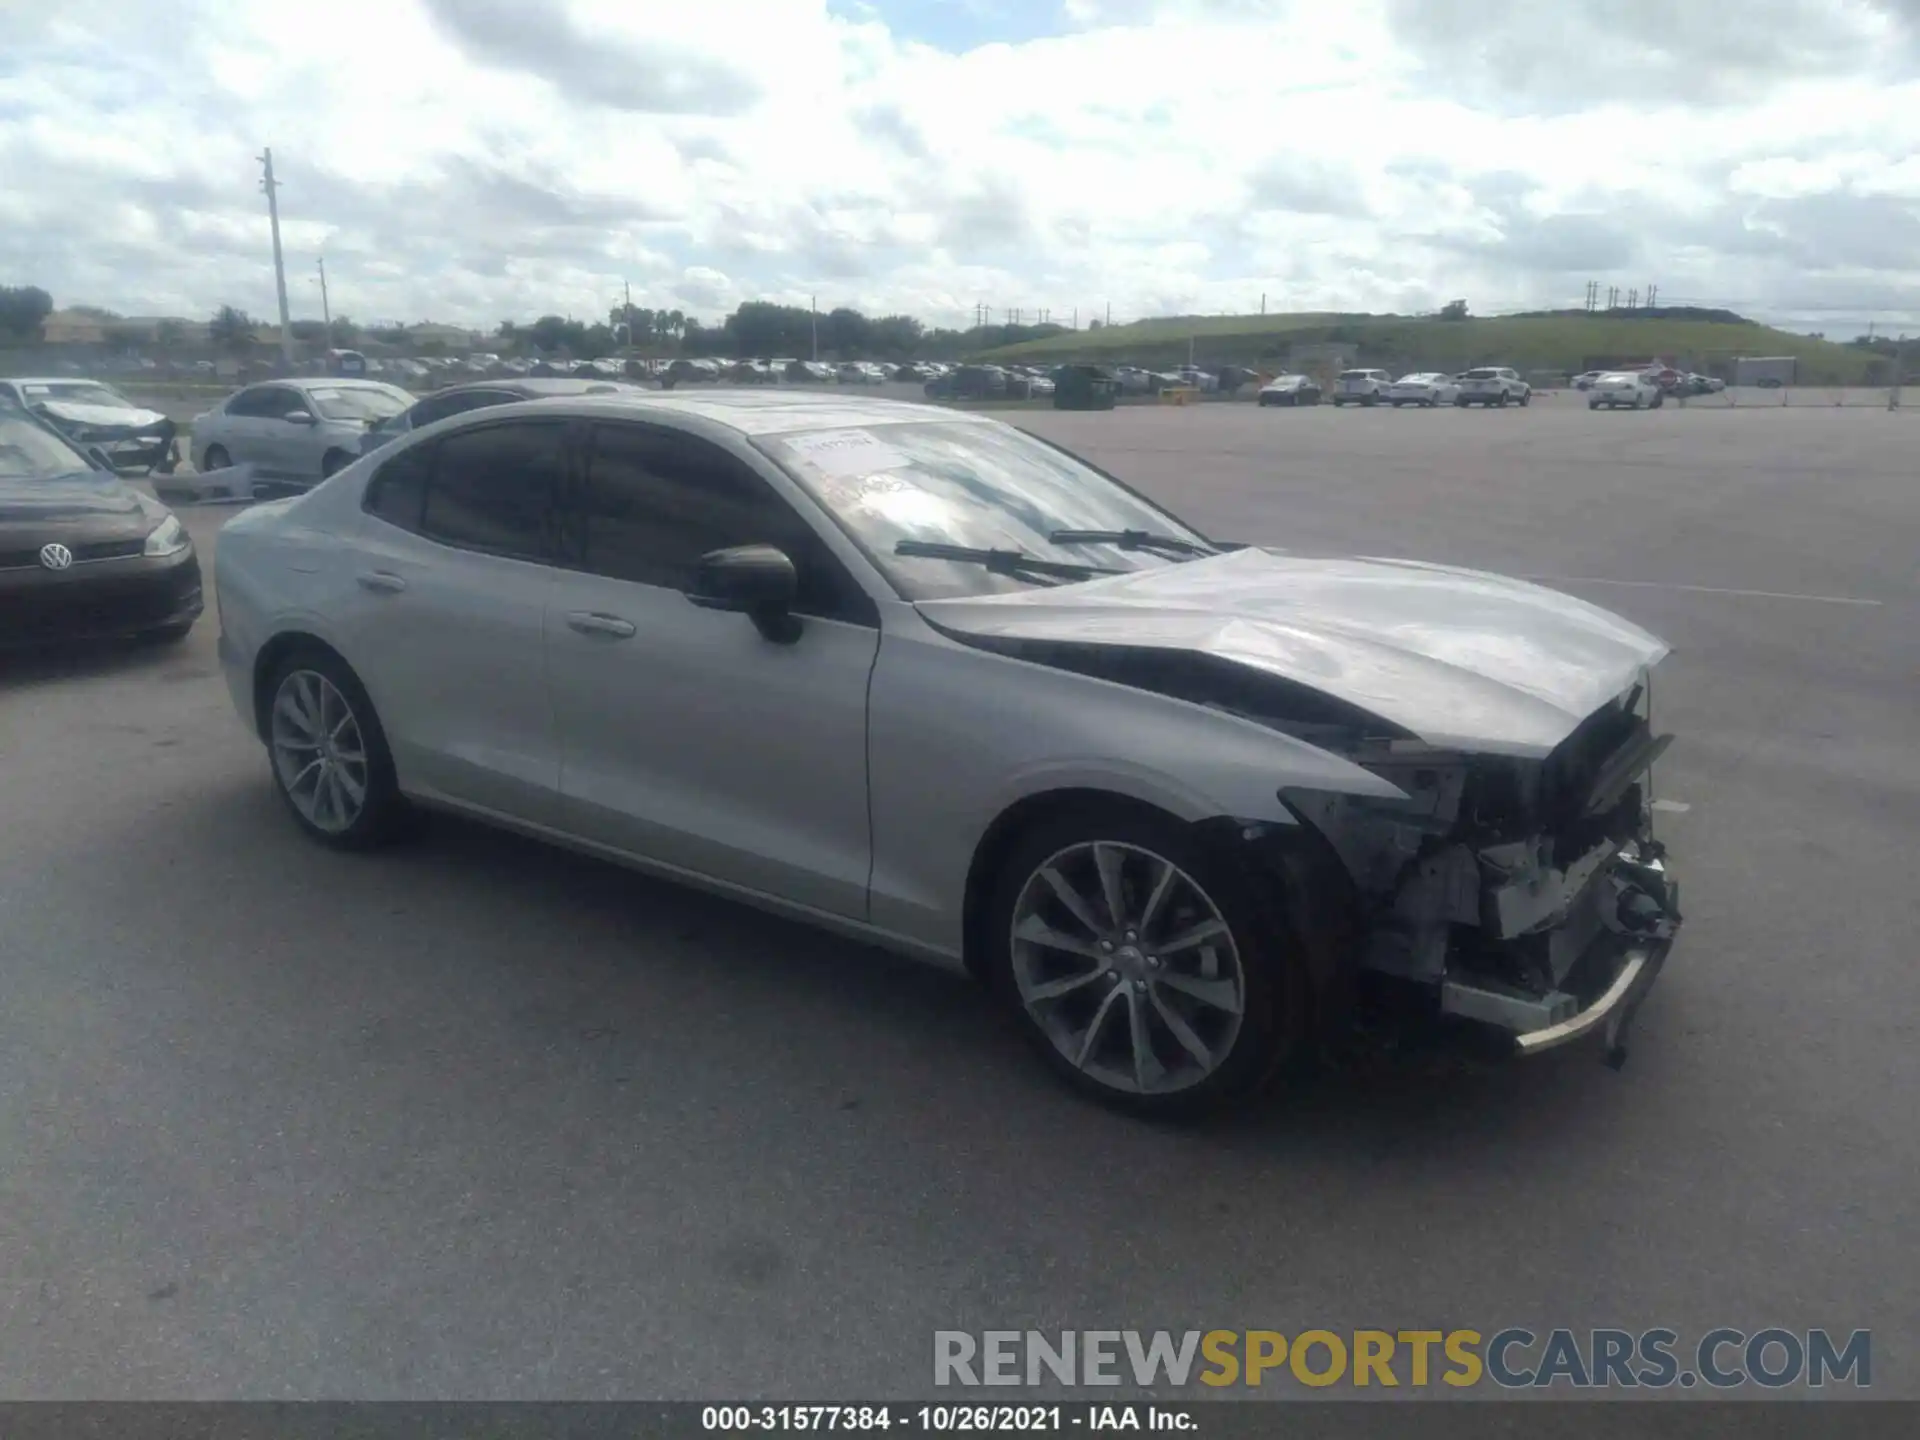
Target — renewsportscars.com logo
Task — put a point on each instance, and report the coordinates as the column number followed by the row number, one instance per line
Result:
column 1513, row 1358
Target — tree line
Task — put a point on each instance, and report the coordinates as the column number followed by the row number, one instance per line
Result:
column 757, row 328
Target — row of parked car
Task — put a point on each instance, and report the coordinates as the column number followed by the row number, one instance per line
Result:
column 1662, row 378
column 1491, row 385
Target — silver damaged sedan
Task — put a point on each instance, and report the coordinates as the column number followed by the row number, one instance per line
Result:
column 1190, row 809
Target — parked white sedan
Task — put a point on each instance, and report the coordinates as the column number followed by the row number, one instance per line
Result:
column 923, row 678
column 290, row 434
column 1428, row 388
column 1625, row 389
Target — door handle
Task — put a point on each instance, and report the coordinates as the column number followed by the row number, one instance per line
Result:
column 382, row 581
column 590, row 622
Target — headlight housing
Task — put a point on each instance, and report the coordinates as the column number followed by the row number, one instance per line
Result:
column 169, row 537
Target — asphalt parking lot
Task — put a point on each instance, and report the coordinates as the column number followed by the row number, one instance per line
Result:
column 476, row 1119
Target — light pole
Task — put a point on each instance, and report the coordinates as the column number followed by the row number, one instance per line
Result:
column 270, row 185
column 326, row 311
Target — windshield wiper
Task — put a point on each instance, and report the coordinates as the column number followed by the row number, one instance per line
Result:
column 1131, row 540
column 1001, row 562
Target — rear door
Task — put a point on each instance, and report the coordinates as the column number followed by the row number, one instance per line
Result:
column 447, row 619
column 687, row 737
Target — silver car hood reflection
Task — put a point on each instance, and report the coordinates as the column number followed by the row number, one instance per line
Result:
column 1461, row 658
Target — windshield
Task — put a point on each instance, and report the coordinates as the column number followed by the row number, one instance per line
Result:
column 29, row 451
column 78, row 392
column 358, row 402
column 980, row 485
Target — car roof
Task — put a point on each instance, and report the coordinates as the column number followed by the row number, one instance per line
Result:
column 53, row 380
column 749, row 414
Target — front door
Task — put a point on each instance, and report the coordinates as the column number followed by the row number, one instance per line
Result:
column 686, row 736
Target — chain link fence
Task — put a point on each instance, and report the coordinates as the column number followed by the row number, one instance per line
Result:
column 1753, row 382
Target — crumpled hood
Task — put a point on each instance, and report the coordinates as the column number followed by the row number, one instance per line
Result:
column 89, row 416
column 1461, row 658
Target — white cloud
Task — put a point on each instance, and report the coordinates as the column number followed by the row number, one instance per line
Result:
column 474, row 159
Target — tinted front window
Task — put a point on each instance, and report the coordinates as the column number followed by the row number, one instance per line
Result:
column 657, row 500
column 493, row 488
column 973, row 484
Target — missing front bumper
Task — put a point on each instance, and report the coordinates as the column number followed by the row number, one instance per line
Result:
column 1634, row 907
column 1611, row 1013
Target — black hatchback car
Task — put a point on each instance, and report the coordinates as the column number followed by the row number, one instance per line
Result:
column 83, row 554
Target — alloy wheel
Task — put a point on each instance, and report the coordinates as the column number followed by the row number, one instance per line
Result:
column 1128, row 967
column 319, row 752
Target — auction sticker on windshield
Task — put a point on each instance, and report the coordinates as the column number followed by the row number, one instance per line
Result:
column 844, row 452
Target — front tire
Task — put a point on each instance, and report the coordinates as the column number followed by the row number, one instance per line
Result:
column 1144, row 968
column 1526, row 398
column 329, row 755
column 333, row 462
column 216, row 458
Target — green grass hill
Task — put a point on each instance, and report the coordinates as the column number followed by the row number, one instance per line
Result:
column 1564, row 342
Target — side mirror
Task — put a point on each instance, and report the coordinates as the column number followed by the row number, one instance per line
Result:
column 758, row 581
column 299, row 417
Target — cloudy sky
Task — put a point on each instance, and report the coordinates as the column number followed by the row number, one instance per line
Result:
column 473, row 160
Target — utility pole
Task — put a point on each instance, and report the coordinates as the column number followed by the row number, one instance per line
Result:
column 813, row 305
column 1109, row 313
column 1263, row 302
column 269, row 184
column 326, row 311
column 626, row 288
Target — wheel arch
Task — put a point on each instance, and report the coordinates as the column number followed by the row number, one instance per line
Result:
column 1294, row 868
column 269, row 658
column 1004, row 832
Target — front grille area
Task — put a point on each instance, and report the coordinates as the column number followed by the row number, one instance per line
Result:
column 121, row 605
column 29, row 559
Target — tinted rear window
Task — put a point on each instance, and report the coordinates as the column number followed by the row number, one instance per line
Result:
column 493, row 488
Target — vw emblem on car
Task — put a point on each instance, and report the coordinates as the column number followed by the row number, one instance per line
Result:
column 56, row 556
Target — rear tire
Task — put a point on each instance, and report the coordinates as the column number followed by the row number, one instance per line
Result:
column 216, row 458
column 333, row 462
column 1089, row 1030
column 328, row 754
